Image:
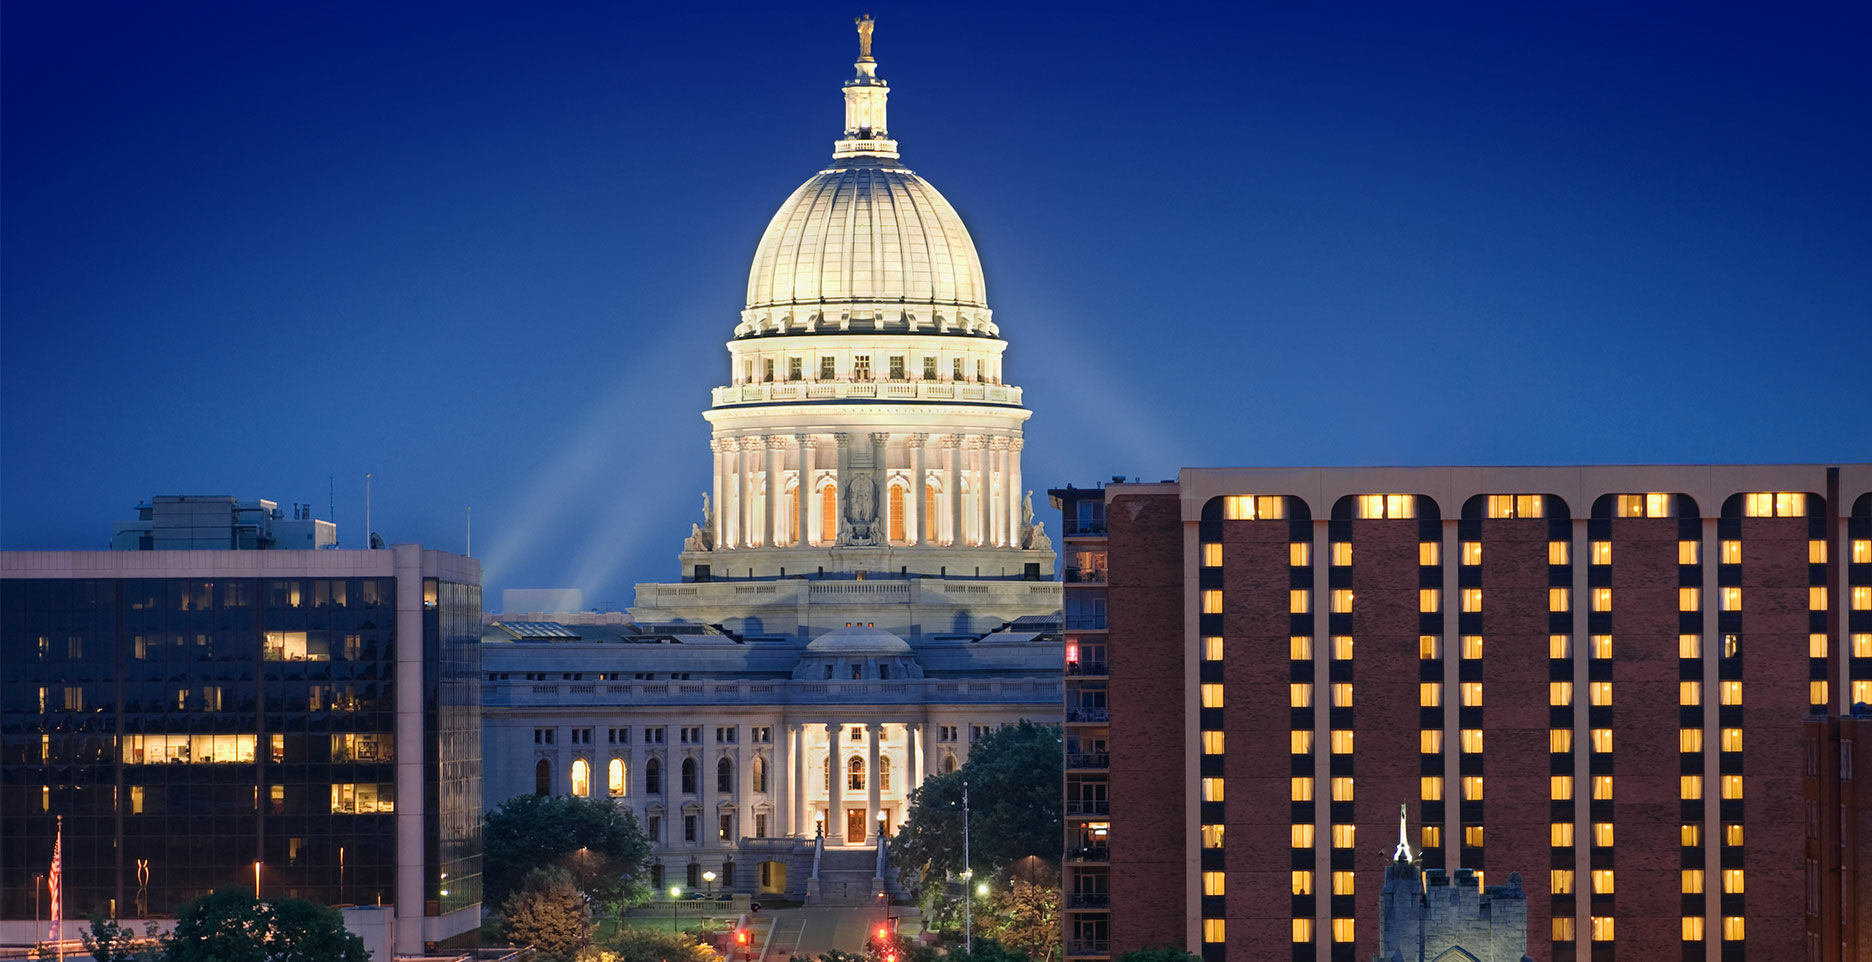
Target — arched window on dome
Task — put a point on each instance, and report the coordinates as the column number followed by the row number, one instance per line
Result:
column 855, row 773
column 895, row 505
column 932, row 495
column 581, row 777
column 828, row 513
column 616, row 780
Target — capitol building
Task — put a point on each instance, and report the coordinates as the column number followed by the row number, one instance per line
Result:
column 865, row 592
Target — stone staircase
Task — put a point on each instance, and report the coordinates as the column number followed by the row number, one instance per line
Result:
column 847, row 877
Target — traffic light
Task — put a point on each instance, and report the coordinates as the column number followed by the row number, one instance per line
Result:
column 890, row 956
column 883, row 933
column 741, row 937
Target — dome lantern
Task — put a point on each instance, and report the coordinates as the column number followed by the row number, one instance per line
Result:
column 866, row 132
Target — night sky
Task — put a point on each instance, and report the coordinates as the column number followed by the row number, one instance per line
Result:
column 490, row 252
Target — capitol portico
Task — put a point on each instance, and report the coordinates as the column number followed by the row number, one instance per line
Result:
column 866, row 591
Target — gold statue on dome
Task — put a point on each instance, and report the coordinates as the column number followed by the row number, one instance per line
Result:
column 865, row 26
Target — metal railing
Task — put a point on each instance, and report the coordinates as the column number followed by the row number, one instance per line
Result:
column 1089, row 853
column 1088, row 714
column 1082, row 947
column 1088, row 900
column 1088, row 759
column 1088, row 806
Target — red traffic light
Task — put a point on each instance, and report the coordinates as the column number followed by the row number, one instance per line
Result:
column 740, row 936
column 890, row 956
column 883, row 933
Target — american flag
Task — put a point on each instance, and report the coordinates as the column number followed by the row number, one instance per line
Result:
column 54, row 882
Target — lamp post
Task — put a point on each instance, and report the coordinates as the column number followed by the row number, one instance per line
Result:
column 968, row 897
column 675, row 891
column 38, row 879
column 709, row 877
column 256, row 880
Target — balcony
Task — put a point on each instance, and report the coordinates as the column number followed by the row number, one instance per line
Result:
column 1088, row 900
column 1095, row 669
column 1087, row 947
column 1088, row 760
column 1100, row 715
column 1089, row 853
column 1076, row 527
column 768, row 391
column 1082, row 576
column 1088, row 806
column 1077, row 621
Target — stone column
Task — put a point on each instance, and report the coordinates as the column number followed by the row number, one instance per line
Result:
column 914, row 503
column 798, row 789
column 874, row 803
column 749, row 531
column 729, row 510
column 719, row 524
column 952, row 454
column 1014, row 491
column 984, row 491
column 772, row 527
column 843, row 440
column 802, row 529
column 914, row 737
column 880, row 479
column 1000, row 512
column 835, row 777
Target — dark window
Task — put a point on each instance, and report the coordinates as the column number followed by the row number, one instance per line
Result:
column 653, row 777
column 724, row 776
column 542, row 778
column 688, row 776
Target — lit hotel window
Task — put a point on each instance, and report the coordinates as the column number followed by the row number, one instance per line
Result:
column 1774, row 504
column 1430, row 647
column 1212, row 554
column 1562, row 881
column 1215, row 930
column 1343, row 884
column 1732, row 786
column 1431, row 836
column 1472, row 788
column 1342, row 789
column 1602, row 788
column 1693, row 928
column 1602, row 836
column 1692, row 835
column 1559, row 646
column 1601, row 740
column 1472, row 694
column 1472, row 553
column 1212, row 696
column 1600, row 553
column 1690, row 740
column 1731, row 599
column 1862, row 551
column 1817, row 646
column 1432, row 788
column 1472, row 647
column 1344, row 836
column 1817, row 692
column 1599, row 692
column 1732, row 739
column 1303, row 882
column 1342, row 741
column 1472, row 599
column 1560, row 740
column 1689, row 693
column 1732, row 834
column 1430, row 741
column 1342, row 647
column 1299, row 601
column 1602, row 883
column 1342, row 600
column 1560, row 788
column 1212, row 790
column 1342, row 694
column 1733, row 928
column 1299, row 554
column 1430, row 599
column 1341, row 554
column 1213, row 884
column 1689, row 646
column 1212, row 836
column 1300, row 695
column 1558, row 552
column 1601, row 927
column 1732, row 881
column 1302, row 833
column 1302, row 928
column 1302, row 741
column 1563, row 928
column 1212, row 602
column 1602, row 599
column 1731, row 552
column 1429, row 553
column 1817, row 598
column 1515, row 506
column 1689, row 552
column 1300, row 647
column 1212, row 742
column 1652, row 505
column 1731, row 692
column 1601, row 646
column 1302, row 790
column 1212, row 647
column 1242, row 507
column 1690, row 787
column 1559, row 599
column 1560, row 834
column 1693, row 881
column 1394, row 506
column 1430, row 694
column 1472, row 741
column 1862, row 645
column 1342, row 930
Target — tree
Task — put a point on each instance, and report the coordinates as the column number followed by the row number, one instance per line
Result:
column 1015, row 782
column 986, row 950
column 228, row 925
column 1025, row 918
column 109, row 942
column 550, row 914
column 632, row 944
column 595, row 842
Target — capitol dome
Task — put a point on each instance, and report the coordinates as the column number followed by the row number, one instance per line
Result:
column 866, row 232
column 858, row 640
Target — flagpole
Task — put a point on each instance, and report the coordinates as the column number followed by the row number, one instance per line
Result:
column 58, row 890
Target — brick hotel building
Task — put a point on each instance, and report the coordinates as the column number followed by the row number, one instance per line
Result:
column 1596, row 677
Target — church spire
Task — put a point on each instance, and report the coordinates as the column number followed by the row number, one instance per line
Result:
column 1403, row 852
column 866, row 132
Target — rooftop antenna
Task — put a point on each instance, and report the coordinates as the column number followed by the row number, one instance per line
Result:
column 368, row 543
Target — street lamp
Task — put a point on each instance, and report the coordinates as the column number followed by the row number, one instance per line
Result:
column 709, row 877
column 256, row 880
column 675, row 891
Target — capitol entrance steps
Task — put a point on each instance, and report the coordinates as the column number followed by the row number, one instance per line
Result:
column 848, row 876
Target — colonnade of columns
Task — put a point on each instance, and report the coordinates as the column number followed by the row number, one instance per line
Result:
column 798, row 810
column 973, row 483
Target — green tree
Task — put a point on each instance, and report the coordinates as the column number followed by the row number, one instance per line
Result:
column 1025, row 918
column 550, row 914
column 228, row 925
column 986, row 950
column 1015, row 782
column 595, row 842
column 109, row 942
column 631, row 944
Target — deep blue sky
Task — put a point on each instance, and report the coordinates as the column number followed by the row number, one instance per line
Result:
column 489, row 251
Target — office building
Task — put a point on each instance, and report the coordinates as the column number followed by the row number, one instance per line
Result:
column 307, row 722
column 197, row 522
column 1597, row 677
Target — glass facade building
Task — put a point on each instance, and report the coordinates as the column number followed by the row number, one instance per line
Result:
column 316, row 712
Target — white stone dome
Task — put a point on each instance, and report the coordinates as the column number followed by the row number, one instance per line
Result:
column 858, row 640
column 866, row 232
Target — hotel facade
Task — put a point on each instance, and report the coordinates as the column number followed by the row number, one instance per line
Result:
column 1596, row 677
